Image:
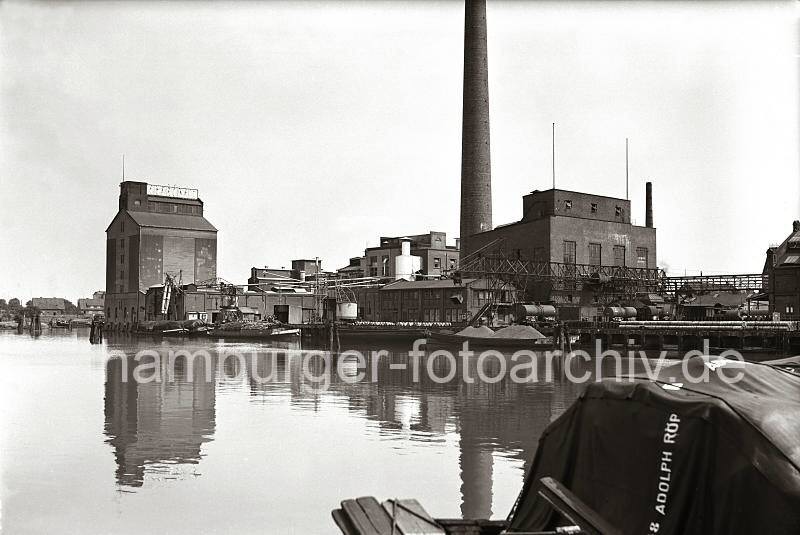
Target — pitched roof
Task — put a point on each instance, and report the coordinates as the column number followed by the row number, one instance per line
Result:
column 180, row 221
column 48, row 303
column 788, row 253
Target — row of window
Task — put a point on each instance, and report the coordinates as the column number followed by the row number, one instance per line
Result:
column 619, row 211
column 173, row 208
column 595, row 254
column 384, row 266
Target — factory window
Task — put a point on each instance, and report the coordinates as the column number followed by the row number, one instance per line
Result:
column 437, row 263
column 569, row 252
column 452, row 263
column 122, row 258
column 137, row 202
column 595, row 251
column 594, row 207
column 789, row 309
column 641, row 257
column 619, row 255
column 619, row 211
column 122, row 225
column 567, row 205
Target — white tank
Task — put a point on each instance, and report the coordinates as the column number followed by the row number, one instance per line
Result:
column 405, row 265
column 346, row 311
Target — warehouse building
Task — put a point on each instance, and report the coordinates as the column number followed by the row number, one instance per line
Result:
column 158, row 231
column 430, row 300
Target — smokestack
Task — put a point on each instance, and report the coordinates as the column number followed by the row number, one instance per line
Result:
column 476, row 174
column 648, row 205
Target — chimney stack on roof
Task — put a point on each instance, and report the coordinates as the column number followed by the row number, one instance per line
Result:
column 476, row 174
column 795, row 226
column 648, row 205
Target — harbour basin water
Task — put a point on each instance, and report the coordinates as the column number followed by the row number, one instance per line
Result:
column 84, row 451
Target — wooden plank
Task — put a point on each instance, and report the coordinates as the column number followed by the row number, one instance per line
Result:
column 341, row 519
column 411, row 518
column 376, row 514
column 359, row 518
column 577, row 512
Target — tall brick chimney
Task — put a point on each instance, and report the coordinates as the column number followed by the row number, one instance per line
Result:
column 648, row 204
column 476, row 172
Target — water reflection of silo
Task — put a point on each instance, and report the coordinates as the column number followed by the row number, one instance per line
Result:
column 160, row 422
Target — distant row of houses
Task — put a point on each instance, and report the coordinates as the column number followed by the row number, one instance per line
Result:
column 57, row 306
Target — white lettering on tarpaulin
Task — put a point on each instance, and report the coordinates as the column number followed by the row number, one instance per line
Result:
column 665, row 474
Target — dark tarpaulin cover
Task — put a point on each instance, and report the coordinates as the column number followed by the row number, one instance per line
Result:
column 654, row 458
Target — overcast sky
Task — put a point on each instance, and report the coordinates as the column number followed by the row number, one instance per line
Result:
column 311, row 129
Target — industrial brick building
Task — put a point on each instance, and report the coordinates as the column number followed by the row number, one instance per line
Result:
column 158, row 231
column 204, row 302
column 430, row 300
column 436, row 256
column 782, row 270
column 261, row 279
column 574, row 233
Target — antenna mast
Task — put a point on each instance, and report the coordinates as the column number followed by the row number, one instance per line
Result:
column 554, row 155
column 626, row 169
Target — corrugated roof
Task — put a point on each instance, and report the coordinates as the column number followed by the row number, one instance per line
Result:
column 426, row 284
column 179, row 221
column 48, row 303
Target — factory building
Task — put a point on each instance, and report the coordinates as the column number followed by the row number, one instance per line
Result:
column 430, row 300
column 262, row 279
column 158, row 231
column 436, row 257
column 204, row 303
column 568, row 228
column 782, row 271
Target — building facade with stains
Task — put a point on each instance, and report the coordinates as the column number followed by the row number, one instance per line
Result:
column 157, row 231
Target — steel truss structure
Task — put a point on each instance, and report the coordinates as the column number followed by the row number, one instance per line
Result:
column 614, row 282
column 751, row 282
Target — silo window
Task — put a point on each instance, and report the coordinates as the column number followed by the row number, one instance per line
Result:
column 619, row 211
column 567, row 205
column 594, row 207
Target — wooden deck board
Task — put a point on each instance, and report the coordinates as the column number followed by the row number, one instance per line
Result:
column 359, row 518
column 376, row 514
column 411, row 518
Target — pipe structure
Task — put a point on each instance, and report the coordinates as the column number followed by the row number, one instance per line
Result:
column 476, row 172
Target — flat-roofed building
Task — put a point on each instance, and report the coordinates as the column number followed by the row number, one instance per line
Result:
column 436, row 256
column 570, row 228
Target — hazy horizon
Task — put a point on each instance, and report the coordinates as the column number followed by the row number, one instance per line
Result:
column 310, row 129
